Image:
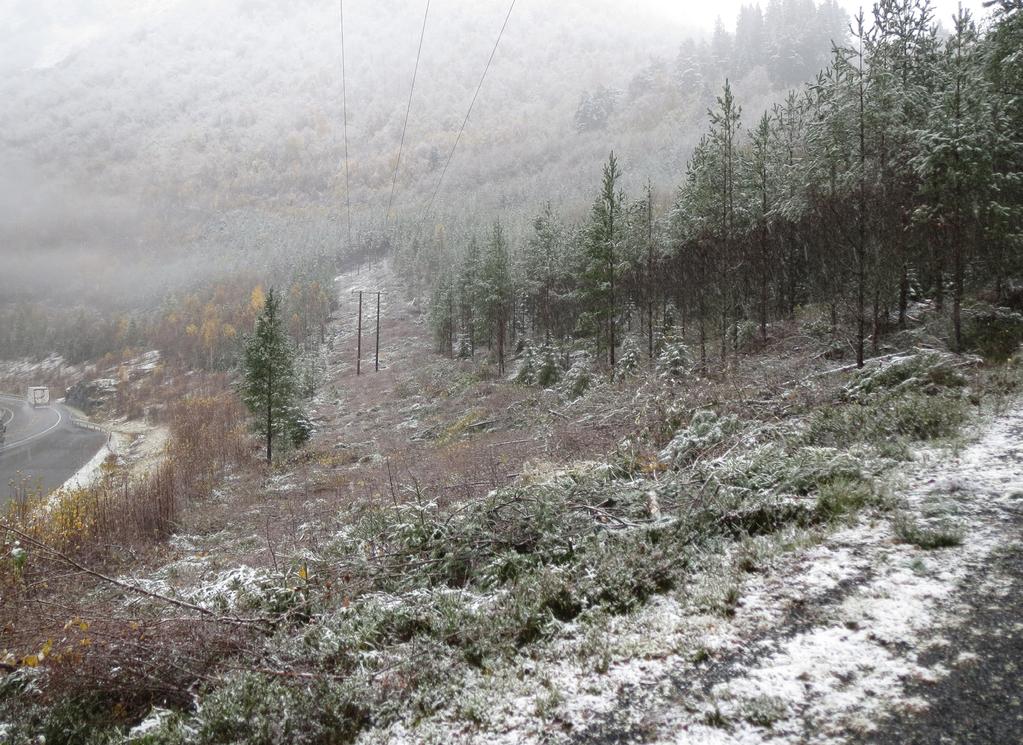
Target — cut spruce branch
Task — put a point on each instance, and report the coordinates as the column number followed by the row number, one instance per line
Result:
column 205, row 613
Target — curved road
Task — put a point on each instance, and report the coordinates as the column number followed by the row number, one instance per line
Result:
column 42, row 446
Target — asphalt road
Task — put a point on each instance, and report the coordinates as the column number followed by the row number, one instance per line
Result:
column 42, row 446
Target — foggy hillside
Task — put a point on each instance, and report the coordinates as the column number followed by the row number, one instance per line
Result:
column 511, row 372
column 173, row 119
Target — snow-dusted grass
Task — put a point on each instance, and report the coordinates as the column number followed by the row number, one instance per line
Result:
column 875, row 602
column 749, row 585
column 92, row 471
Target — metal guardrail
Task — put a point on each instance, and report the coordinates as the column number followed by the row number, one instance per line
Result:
column 87, row 425
column 83, row 424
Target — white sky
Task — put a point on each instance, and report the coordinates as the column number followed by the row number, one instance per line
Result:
column 703, row 13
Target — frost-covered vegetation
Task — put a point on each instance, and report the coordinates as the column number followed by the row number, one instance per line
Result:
column 914, row 397
column 393, row 618
column 609, row 442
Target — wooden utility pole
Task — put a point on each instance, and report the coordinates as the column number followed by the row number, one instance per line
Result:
column 376, row 359
column 358, row 352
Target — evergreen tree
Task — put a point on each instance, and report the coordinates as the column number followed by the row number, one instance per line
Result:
column 723, row 142
column 789, row 145
column 469, row 294
column 602, row 268
column 759, row 180
column 901, row 52
column 269, row 386
column 543, row 269
column 650, row 255
column 1004, row 70
column 956, row 160
column 694, row 224
column 749, row 38
column 496, row 293
column 442, row 313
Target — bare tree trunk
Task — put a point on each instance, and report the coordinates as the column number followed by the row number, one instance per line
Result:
column 876, row 312
column 501, row 324
column 903, row 293
column 650, row 269
column 957, row 293
column 861, row 248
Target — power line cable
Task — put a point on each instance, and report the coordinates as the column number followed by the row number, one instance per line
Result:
column 408, row 110
column 344, row 99
column 451, row 155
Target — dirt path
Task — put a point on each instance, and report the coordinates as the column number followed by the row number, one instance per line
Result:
column 981, row 700
column 865, row 638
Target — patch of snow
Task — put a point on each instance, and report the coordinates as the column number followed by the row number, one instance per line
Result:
column 92, row 471
column 153, row 721
column 228, row 591
column 821, row 646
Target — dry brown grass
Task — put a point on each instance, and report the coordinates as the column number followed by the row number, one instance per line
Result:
column 71, row 621
column 207, row 438
column 398, row 435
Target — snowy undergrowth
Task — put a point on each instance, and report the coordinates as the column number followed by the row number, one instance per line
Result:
column 751, row 585
column 464, row 610
column 818, row 647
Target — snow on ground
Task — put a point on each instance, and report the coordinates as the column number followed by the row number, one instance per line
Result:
column 821, row 645
column 92, row 471
column 134, row 444
column 847, row 667
column 27, row 367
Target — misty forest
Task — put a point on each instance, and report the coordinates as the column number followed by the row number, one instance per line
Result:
column 496, row 371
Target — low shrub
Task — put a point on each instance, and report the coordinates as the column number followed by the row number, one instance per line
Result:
column 705, row 430
column 539, row 366
column 884, row 418
column 629, row 363
column 930, row 372
column 844, row 496
column 579, row 377
column 992, row 332
column 259, row 709
column 927, row 537
column 674, row 362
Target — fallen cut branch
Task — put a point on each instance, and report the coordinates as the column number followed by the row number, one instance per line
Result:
column 127, row 586
column 854, row 366
column 509, row 442
column 607, row 515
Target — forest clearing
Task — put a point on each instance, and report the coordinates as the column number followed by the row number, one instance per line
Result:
column 490, row 373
